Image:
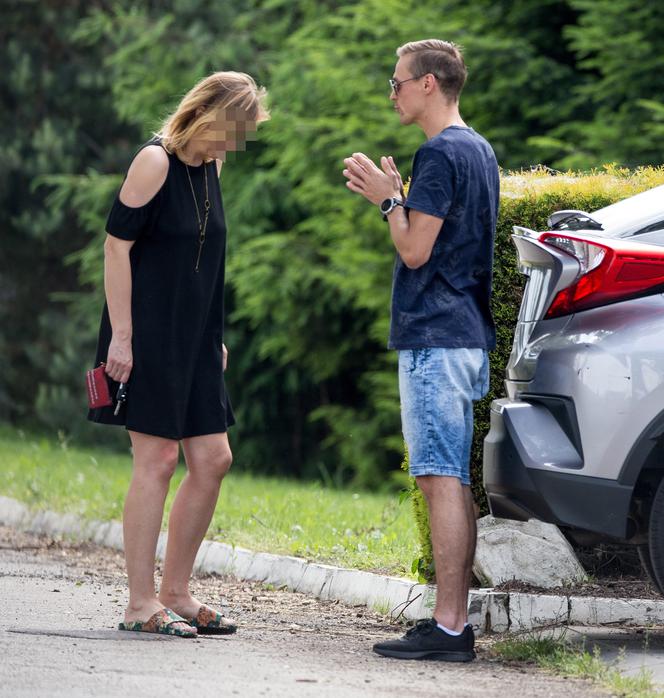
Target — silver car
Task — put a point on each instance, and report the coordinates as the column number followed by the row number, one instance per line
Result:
column 579, row 439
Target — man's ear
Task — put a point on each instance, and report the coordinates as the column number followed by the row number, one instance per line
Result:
column 429, row 83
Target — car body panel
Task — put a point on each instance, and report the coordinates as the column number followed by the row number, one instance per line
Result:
column 565, row 498
column 610, row 362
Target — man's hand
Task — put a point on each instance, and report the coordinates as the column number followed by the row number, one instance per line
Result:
column 375, row 185
column 389, row 167
column 224, row 353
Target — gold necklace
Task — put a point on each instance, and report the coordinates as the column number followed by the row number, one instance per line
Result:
column 202, row 225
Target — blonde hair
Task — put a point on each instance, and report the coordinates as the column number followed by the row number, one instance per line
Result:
column 198, row 107
column 442, row 59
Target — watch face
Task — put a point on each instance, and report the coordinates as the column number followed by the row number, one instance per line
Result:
column 386, row 205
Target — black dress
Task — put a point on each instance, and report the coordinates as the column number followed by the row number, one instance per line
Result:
column 176, row 389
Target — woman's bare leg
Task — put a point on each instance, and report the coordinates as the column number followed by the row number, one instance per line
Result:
column 208, row 460
column 155, row 460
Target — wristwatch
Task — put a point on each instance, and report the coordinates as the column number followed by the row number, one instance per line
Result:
column 388, row 205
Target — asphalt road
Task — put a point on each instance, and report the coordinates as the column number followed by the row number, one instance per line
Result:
column 61, row 604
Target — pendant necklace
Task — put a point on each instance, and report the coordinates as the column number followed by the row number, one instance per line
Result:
column 202, row 224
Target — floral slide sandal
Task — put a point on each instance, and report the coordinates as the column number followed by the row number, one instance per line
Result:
column 211, row 622
column 162, row 623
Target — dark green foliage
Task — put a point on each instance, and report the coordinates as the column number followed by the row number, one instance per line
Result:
column 52, row 99
column 310, row 264
column 520, row 72
column 619, row 46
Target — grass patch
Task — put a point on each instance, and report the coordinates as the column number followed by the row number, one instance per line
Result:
column 561, row 657
column 362, row 530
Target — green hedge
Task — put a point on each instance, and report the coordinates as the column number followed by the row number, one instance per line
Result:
column 527, row 199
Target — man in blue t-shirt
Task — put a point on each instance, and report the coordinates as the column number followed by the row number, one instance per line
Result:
column 441, row 321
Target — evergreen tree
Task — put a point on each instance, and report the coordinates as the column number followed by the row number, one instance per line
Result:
column 619, row 46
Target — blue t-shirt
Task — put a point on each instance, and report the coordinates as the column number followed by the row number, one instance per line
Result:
column 445, row 303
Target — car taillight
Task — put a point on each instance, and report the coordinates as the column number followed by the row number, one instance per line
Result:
column 610, row 271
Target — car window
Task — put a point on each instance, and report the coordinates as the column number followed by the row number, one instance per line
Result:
column 652, row 228
column 637, row 215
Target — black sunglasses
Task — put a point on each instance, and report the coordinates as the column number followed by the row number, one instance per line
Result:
column 396, row 84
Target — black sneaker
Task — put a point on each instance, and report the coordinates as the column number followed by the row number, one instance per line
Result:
column 425, row 640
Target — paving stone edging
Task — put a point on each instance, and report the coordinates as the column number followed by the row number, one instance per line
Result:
column 488, row 610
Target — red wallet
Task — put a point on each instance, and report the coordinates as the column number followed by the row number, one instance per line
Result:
column 99, row 394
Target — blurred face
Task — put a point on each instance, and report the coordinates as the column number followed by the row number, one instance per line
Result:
column 228, row 132
column 405, row 93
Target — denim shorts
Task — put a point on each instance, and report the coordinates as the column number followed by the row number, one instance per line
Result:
column 437, row 388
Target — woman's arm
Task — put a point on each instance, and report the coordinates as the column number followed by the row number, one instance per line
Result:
column 117, row 285
column 145, row 178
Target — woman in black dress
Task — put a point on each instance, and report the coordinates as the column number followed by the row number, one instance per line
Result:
column 162, row 334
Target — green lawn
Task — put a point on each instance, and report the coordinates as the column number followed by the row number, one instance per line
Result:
column 359, row 529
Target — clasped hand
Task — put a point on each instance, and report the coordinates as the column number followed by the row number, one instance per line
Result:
column 366, row 178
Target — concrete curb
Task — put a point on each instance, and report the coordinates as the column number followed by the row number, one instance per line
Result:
column 488, row 610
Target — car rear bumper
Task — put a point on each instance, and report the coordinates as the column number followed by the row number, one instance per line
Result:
column 532, row 470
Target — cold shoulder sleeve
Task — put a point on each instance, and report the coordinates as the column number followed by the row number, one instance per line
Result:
column 128, row 222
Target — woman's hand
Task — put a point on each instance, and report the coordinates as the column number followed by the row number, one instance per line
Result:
column 120, row 359
column 224, row 353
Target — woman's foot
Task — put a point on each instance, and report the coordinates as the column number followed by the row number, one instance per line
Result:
column 207, row 620
column 141, row 612
column 184, row 605
column 163, row 622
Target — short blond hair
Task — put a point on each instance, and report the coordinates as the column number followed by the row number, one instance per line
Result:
column 220, row 90
column 442, row 59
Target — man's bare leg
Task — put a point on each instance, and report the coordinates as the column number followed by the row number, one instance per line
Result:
column 453, row 538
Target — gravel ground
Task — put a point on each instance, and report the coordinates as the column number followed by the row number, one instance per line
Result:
column 615, row 571
column 616, row 588
column 288, row 644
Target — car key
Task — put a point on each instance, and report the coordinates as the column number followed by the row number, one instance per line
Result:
column 121, row 398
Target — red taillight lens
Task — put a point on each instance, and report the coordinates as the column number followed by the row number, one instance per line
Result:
column 611, row 271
